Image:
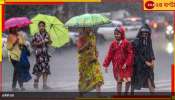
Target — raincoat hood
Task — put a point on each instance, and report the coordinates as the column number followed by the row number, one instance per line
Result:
column 144, row 28
column 121, row 30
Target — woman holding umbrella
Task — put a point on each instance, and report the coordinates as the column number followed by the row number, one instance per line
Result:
column 143, row 74
column 18, row 51
column 40, row 42
column 47, row 31
column 90, row 76
column 19, row 57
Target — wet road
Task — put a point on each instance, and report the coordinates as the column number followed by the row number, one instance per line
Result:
column 64, row 69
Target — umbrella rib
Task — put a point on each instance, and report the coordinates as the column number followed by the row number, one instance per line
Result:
column 48, row 21
column 46, row 18
column 56, row 31
column 60, row 30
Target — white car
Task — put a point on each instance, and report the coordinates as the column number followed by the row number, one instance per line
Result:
column 73, row 37
column 132, row 26
column 107, row 31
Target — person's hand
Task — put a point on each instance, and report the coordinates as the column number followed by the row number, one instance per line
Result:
column 152, row 64
column 16, row 42
column 148, row 63
column 124, row 66
column 106, row 70
column 41, row 42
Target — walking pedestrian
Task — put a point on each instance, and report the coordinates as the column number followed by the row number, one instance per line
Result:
column 121, row 54
column 143, row 74
column 41, row 42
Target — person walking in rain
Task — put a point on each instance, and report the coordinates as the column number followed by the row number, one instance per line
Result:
column 143, row 74
column 40, row 42
column 18, row 53
column 90, row 76
column 121, row 54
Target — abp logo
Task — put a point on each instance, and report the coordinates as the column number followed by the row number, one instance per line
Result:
column 149, row 4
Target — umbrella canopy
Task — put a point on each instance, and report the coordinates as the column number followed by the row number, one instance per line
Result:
column 56, row 29
column 17, row 22
column 87, row 20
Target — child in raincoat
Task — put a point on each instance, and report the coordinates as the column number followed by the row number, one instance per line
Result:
column 121, row 54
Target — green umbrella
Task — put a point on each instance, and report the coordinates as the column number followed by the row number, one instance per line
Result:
column 56, row 29
column 87, row 20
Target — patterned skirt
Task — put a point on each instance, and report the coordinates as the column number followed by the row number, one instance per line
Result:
column 42, row 64
column 90, row 76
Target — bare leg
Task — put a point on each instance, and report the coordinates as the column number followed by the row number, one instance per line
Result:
column 151, row 88
column 21, row 85
column 45, row 77
column 14, row 82
column 132, row 89
column 98, row 90
column 119, row 88
column 127, row 86
column 36, row 81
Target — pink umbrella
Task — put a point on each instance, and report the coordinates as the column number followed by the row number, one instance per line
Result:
column 17, row 22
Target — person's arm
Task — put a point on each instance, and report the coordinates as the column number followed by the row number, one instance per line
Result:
column 9, row 45
column 152, row 57
column 129, row 60
column 36, row 43
column 26, row 49
column 11, row 42
column 47, row 39
column 138, row 50
column 152, row 63
column 138, row 54
column 85, row 46
column 108, row 57
column 82, row 44
column 143, row 59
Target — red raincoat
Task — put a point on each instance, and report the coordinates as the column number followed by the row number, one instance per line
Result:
column 120, row 54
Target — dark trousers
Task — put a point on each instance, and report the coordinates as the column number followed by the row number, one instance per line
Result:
column 16, row 75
